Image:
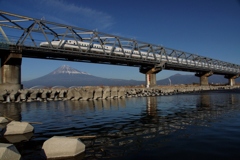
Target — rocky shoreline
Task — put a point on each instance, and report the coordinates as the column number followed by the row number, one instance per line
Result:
column 96, row 93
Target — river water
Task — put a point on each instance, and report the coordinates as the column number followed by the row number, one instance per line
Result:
column 203, row 125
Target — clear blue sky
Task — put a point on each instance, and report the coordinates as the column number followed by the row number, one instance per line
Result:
column 206, row 27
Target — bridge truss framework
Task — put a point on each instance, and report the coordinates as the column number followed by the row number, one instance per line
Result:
column 22, row 35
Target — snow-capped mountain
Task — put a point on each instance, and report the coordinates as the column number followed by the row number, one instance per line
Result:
column 65, row 69
column 68, row 76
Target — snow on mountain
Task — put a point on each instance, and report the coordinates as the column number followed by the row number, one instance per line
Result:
column 68, row 76
column 65, row 69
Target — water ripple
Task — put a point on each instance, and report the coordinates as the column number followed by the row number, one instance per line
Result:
column 177, row 125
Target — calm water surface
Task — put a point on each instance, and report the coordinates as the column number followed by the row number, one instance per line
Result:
column 202, row 125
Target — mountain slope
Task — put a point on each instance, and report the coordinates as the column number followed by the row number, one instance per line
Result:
column 190, row 79
column 67, row 76
column 65, row 69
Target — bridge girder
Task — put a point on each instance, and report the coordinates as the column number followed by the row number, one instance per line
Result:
column 30, row 32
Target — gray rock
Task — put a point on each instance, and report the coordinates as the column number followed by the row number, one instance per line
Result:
column 9, row 152
column 16, row 127
column 62, row 147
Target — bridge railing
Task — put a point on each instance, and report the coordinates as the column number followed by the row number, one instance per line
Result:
column 30, row 32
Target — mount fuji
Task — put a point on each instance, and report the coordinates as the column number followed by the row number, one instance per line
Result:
column 67, row 76
column 65, row 69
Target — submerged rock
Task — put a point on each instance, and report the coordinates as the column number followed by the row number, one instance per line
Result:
column 16, row 127
column 61, row 146
column 9, row 152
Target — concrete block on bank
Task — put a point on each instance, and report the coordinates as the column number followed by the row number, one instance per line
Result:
column 90, row 93
column 13, row 96
column 33, row 95
column 69, row 94
column 45, row 94
column 132, row 92
column 56, row 97
column 23, row 94
column 106, row 93
column 157, row 92
column 54, row 94
column 83, row 93
column 121, row 92
column 3, row 120
column 2, row 95
column 9, row 152
column 181, row 90
column 98, row 93
column 77, row 94
column 51, row 94
column 19, row 137
column 62, row 147
column 114, row 92
column 16, row 127
column 62, row 93
column 128, row 93
column 140, row 90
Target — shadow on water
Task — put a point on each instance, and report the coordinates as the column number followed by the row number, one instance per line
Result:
column 124, row 127
column 11, row 111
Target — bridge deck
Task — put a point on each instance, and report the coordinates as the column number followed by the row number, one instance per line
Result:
column 34, row 38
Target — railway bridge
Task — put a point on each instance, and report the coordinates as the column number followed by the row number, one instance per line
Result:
column 22, row 36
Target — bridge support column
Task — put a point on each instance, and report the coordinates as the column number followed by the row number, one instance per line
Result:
column 204, row 77
column 231, row 79
column 150, row 80
column 10, row 72
column 150, row 74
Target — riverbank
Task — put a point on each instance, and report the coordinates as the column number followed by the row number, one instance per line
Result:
column 95, row 93
column 130, row 128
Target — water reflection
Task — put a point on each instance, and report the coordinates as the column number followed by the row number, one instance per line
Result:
column 152, row 106
column 19, row 138
column 204, row 100
column 124, row 126
column 11, row 111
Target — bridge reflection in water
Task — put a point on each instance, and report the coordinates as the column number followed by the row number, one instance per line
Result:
column 122, row 126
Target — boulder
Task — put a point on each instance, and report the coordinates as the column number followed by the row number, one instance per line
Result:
column 62, row 147
column 90, row 93
column 77, row 94
column 13, row 95
column 61, row 94
column 9, row 151
column 70, row 94
column 23, row 94
column 98, row 93
column 3, row 120
column 45, row 93
column 106, row 93
column 114, row 92
column 121, row 92
column 19, row 137
column 33, row 95
column 16, row 127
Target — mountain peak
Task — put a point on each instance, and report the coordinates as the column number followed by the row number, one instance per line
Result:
column 65, row 69
column 178, row 74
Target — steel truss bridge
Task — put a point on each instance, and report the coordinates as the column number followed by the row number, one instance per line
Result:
column 21, row 34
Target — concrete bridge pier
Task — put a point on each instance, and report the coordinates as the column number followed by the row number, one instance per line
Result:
column 204, row 77
column 150, row 80
column 231, row 79
column 10, row 72
column 150, row 74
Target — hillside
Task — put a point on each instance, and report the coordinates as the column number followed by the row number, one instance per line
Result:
column 67, row 76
